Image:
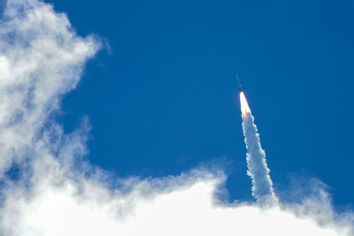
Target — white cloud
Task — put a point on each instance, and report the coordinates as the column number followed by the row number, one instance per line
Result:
column 41, row 58
column 184, row 208
column 59, row 193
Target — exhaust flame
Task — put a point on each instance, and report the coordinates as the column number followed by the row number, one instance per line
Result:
column 245, row 109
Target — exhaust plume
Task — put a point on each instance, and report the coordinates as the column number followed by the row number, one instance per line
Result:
column 262, row 189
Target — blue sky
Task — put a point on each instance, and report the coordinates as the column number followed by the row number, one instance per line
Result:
column 163, row 99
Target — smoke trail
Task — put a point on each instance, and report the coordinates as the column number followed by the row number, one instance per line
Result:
column 262, row 188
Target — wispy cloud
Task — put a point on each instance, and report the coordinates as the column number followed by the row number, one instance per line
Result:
column 59, row 193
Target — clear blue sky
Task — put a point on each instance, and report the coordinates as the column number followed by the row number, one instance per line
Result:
column 163, row 99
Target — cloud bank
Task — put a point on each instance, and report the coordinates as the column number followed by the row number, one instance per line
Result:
column 56, row 192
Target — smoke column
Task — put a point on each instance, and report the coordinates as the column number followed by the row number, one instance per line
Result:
column 262, row 185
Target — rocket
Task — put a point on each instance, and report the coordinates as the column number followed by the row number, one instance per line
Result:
column 239, row 84
column 245, row 109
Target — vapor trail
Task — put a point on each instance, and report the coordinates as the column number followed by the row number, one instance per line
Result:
column 262, row 189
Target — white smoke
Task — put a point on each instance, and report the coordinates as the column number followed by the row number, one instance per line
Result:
column 262, row 188
column 58, row 193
